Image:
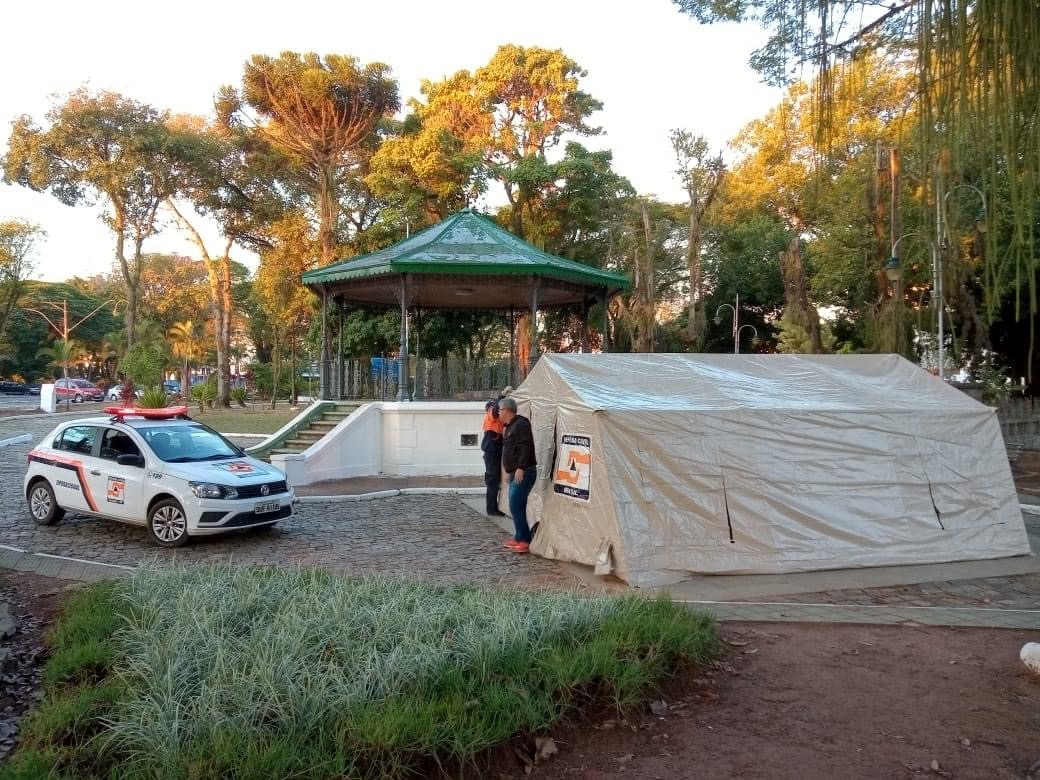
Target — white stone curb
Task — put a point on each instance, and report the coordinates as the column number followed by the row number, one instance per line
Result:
column 419, row 491
column 20, row 439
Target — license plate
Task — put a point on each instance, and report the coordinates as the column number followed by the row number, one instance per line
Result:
column 267, row 507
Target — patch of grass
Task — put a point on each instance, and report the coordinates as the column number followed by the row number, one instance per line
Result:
column 259, row 673
column 252, row 420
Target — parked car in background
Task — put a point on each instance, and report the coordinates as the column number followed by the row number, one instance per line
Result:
column 116, row 393
column 172, row 386
column 77, row 390
column 7, row 387
column 34, row 389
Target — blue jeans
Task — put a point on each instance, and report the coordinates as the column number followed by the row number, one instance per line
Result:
column 518, row 493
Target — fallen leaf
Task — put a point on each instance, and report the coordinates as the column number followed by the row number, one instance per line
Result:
column 659, row 708
column 736, row 642
column 751, row 651
column 625, row 758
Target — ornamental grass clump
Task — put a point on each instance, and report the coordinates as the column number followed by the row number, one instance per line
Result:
column 235, row 672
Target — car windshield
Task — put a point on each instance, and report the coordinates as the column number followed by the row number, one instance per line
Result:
column 188, row 444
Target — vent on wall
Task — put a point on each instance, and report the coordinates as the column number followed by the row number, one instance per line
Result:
column 469, row 440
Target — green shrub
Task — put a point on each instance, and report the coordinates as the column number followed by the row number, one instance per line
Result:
column 204, row 395
column 143, row 364
column 154, row 398
column 239, row 396
column 235, row 672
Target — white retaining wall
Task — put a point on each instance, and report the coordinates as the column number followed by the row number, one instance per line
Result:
column 423, row 438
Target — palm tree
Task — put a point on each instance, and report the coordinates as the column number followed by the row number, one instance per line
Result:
column 62, row 352
column 185, row 344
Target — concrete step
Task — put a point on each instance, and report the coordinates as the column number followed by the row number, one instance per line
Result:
column 324, row 425
column 310, row 435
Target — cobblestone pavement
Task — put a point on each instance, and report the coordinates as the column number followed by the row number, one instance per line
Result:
column 432, row 537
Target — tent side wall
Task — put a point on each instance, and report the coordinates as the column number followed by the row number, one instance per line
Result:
column 759, row 491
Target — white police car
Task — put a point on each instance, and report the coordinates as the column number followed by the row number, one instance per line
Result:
column 157, row 468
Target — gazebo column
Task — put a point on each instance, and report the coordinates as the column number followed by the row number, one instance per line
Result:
column 606, row 320
column 402, row 362
column 339, row 353
column 585, row 325
column 532, row 356
column 512, row 348
column 323, row 377
column 417, row 393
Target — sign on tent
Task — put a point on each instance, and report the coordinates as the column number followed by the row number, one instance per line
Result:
column 573, row 467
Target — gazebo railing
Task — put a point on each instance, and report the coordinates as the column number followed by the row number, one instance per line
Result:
column 431, row 379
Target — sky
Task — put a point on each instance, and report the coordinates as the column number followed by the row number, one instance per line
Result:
column 653, row 68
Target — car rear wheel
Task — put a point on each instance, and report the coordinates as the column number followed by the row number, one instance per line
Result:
column 78, row 399
column 42, row 505
column 168, row 524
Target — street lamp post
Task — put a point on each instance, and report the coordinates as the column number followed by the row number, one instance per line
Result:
column 64, row 331
column 894, row 272
column 735, row 309
column 736, row 344
column 944, row 235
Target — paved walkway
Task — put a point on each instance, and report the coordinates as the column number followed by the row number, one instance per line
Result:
column 360, row 485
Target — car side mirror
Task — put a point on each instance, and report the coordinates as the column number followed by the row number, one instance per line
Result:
column 131, row 460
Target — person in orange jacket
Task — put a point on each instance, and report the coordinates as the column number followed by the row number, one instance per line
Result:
column 491, row 446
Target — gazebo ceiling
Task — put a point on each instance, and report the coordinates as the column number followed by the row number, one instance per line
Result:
column 464, row 262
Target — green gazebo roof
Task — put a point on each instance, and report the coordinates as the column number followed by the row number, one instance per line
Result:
column 459, row 263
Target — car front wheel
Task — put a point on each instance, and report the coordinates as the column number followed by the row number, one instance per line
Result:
column 78, row 399
column 42, row 505
column 168, row 524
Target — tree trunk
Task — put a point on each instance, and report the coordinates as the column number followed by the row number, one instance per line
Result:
column 292, row 363
column 275, row 372
column 131, row 299
column 221, row 305
column 798, row 309
column 328, row 210
column 224, row 331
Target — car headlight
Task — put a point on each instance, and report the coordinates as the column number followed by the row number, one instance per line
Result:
column 209, row 490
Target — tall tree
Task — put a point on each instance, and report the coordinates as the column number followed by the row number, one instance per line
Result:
column 186, row 343
column 18, row 239
column 285, row 301
column 229, row 175
column 701, row 174
column 318, row 111
column 511, row 113
column 106, row 149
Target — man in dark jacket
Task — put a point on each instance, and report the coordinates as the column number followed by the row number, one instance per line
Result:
column 520, row 464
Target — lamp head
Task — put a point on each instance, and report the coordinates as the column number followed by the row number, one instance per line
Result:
column 894, row 269
column 718, row 320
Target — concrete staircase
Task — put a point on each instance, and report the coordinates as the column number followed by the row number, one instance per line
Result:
column 305, row 437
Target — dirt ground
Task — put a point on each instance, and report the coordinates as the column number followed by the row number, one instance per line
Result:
column 828, row 701
column 34, row 603
column 788, row 700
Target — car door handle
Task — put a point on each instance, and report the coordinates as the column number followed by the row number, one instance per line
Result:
column 95, row 473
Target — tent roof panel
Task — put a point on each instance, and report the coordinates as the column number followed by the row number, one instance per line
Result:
column 710, row 382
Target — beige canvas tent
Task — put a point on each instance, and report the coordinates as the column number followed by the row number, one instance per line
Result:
column 659, row 467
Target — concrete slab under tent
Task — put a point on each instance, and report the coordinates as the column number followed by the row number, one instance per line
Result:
column 661, row 467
